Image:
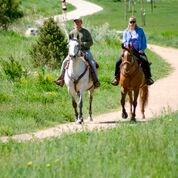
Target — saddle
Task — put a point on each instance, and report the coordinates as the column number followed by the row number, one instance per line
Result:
column 85, row 58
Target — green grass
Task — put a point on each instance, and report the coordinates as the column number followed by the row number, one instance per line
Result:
column 161, row 24
column 147, row 149
column 35, row 102
column 35, row 10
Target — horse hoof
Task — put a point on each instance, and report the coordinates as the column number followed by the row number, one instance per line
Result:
column 133, row 119
column 79, row 121
column 124, row 115
column 90, row 118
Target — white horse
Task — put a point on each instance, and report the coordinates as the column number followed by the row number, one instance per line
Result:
column 77, row 79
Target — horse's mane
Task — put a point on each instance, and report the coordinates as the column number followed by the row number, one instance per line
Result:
column 131, row 49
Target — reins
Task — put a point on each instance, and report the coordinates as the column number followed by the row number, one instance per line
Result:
column 80, row 54
column 128, row 74
column 75, row 81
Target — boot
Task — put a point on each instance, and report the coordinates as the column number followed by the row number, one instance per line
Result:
column 95, row 81
column 149, row 81
column 147, row 71
column 94, row 78
column 115, row 81
column 60, row 80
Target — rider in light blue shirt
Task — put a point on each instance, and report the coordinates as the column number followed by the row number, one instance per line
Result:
column 135, row 37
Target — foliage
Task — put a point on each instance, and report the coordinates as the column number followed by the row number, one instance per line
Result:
column 157, row 22
column 12, row 68
column 35, row 102
column 142, row 149
column 9, row 11
column 36, row 97
column 104, row 33
column 51, row 46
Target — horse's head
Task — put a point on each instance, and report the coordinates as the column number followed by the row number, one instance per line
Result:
column 127, row 55
column 127, row 59
column 74, row 47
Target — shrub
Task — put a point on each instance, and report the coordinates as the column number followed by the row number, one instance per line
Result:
column 9, row 11
column 12, row 68
column 51, row 46
column 104, row 33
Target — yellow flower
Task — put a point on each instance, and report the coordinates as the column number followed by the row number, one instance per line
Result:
column 30, row 163
column 48, row 165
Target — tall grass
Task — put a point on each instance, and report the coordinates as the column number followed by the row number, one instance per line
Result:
column 34, row 102
column 129, row 150
column 161, row 24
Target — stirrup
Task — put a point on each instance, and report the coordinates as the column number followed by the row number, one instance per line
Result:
column 59, row 82
column 96, row 84
column 149, row 81
column 115, row 82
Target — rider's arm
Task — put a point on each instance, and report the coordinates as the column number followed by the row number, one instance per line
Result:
column 124, row 38
column 142, row 40
column 86, row 40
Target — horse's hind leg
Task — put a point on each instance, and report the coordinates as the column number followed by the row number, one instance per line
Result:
column 74, row 104
column 90, row 105
column 130, row 102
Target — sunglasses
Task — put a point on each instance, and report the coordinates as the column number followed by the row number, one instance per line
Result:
column 132, row 21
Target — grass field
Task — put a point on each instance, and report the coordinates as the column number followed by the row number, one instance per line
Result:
column 130, row 150
column 34, row 102
column 161, row 24
column 140, row 150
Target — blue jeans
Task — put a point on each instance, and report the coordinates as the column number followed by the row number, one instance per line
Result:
column 89, row 56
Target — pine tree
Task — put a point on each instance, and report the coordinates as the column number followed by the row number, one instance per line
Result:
column 51, row 46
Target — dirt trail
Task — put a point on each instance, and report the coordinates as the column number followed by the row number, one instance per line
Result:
column 163, row 97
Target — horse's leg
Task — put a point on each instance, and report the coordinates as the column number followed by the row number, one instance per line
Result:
column 143, row 99
column 130, row 102
column 90, row 105
column 123, row 96
column 80, row 105
column 136, row 92
column 74, row 104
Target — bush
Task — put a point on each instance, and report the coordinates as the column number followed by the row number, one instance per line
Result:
column 9, row 11
column 51, row 46
column 12, row 68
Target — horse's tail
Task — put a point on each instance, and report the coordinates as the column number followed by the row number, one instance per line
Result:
column 144, row 93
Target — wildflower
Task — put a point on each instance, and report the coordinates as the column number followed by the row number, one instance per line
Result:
column 30, row 163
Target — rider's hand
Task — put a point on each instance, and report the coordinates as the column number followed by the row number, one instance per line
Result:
column 83, row 43
column 141, row 52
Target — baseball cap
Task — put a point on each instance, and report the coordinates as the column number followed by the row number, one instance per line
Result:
column 77, row 18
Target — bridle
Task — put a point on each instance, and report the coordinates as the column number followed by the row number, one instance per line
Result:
column 79, row 54
column 131, row 63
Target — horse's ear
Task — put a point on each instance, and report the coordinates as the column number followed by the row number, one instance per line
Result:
column 77, row 36
column 122, row 46
column 71, row 36
column 123, row 50
column 129, row 46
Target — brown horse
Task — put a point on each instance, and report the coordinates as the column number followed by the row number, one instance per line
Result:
column 132, row 81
